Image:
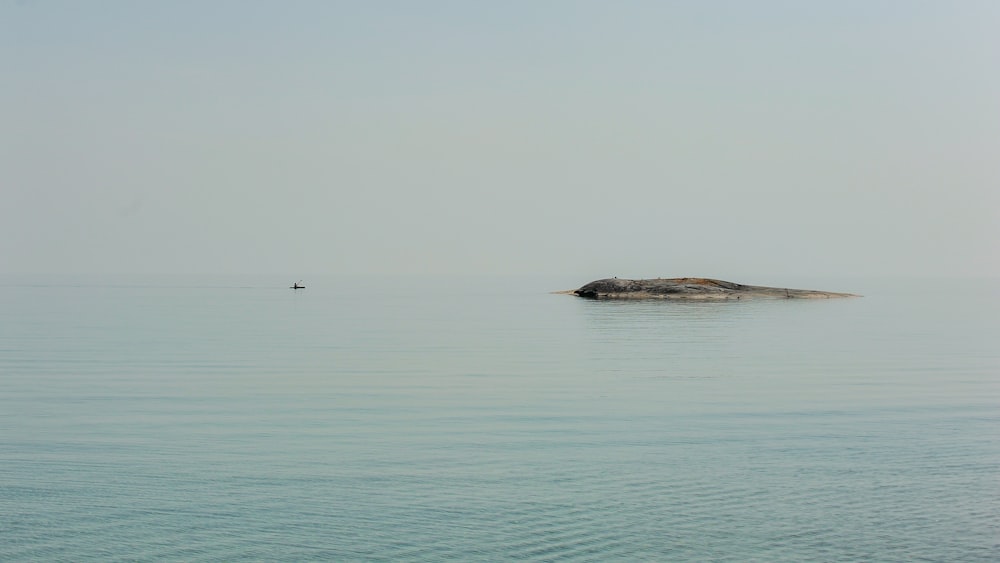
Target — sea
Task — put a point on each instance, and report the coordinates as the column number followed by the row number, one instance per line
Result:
column 423, row 418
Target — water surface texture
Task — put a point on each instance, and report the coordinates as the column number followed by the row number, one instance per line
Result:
column 426, row 419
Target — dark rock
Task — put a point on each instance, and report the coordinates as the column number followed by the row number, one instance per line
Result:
column 692, row 288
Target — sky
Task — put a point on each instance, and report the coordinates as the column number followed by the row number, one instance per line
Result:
column 637, row 139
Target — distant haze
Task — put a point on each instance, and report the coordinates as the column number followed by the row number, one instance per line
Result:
column 625, row 138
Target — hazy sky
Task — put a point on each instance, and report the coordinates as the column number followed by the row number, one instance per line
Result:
column 622, row 138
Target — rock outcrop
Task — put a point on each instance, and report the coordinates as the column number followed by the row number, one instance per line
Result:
column 692, row 288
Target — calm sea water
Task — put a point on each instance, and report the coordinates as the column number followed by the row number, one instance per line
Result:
column 413, row 419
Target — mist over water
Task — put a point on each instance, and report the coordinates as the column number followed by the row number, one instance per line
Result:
column 422, row 418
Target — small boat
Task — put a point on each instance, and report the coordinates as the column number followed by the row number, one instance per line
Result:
column 297, row 286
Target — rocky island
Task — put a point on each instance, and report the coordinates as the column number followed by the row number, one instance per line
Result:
column 691, row 288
